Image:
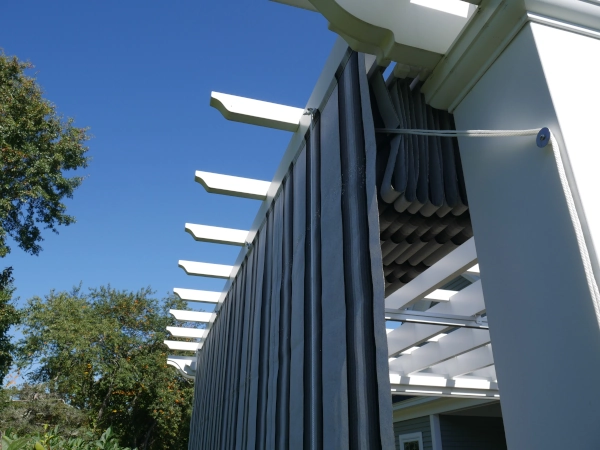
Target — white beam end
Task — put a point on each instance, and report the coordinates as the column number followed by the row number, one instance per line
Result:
column 256, row 112
column 183, row 346
column 201, row 269
column 191, row 316
column 215, row 183
column 216, row 235
column 195, row 295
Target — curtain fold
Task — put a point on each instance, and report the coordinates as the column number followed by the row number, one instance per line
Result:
column 423, row 204
column 297, row 358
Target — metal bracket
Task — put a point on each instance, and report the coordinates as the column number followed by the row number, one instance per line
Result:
column 478, row 322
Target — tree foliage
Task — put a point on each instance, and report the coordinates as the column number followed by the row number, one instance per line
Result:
column 103, row 352
column 9, row 316
column 37, row 146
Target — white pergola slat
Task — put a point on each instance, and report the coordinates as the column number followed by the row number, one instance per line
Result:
column 216, row 235
column 432, row 353
column 467, row 302
column 183, row 346
column 206, row 269
column 465, row 364
column 216, row 183
column 440, row 273
column 192, row 316
column 186, row 365
column 257, row 112
column 187, row 332
column 194, row 295
column 487, row 373
column 443, row 387
column 440, row 295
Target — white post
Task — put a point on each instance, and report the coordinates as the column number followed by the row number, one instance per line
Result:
column 543, row 326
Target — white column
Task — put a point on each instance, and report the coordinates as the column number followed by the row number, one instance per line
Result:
column 543, row 325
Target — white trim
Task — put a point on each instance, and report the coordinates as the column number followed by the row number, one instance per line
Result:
column 191, row 316
column 411, row 437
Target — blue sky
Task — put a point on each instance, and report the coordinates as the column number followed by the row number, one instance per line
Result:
column 139, row 74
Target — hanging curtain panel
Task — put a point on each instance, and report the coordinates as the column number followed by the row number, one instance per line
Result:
column 422, row 199
column 297, row 358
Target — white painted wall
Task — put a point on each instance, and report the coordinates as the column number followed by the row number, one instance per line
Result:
column 542, row 322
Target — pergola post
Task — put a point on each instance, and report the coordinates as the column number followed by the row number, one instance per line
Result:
column 543, row 325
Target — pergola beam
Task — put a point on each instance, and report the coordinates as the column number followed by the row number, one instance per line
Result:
column 257, row 112
column 195, row 295
column 183, row 346
column 432, row 353
column 468, row 302
column 192, row 316
column 216, row 235
column 465, row 364
column 216, row 183
column 187, row 332
column 201, row 269
column 449, row 267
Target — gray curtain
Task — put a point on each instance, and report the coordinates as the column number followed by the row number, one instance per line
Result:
column 297, row 358
column 422, row 198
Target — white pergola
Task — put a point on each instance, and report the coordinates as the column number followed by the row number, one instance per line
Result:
column 442, row 350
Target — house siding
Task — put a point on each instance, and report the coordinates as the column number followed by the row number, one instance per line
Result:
column 472, row 433
column 413, row 426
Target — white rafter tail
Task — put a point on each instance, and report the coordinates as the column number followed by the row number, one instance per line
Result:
column 217, row 235
column 468, row 302
column 446, row 269
column 195, row 295
column 257, row 112
column 187, row 332
column 201, row 269
column 216, row 183
column 191, row 316
column 186, row 365
column 183, row 346
column 440, row 295
column 432, row 353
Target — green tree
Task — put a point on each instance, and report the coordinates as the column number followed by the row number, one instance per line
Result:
column 9, row 316
column 37, row 146
column 103, row 352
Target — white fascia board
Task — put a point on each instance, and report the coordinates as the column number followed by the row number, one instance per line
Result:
column 216, row 235
column 205, row 269
column 191, row 316
column 216, row 183
column 183, row 346
column 465, row 364
column 468, row 302
column 432, row 353
column 257, row 112
column 196, row 295
column 186, row 332
column 440, row 295
column 447, row 268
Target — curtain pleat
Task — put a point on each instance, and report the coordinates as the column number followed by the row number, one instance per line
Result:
column 297, row 358
column 423, row 207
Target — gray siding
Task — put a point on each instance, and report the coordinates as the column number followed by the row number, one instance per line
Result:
column 472, row 433
column 413, row 426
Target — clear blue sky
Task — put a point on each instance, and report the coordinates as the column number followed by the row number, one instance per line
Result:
column 140, row 73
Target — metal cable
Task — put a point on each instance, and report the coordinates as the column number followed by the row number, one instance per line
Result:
column 456, row 133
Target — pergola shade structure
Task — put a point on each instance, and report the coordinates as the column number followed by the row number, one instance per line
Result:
column 298, row 351
column 365, row 227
